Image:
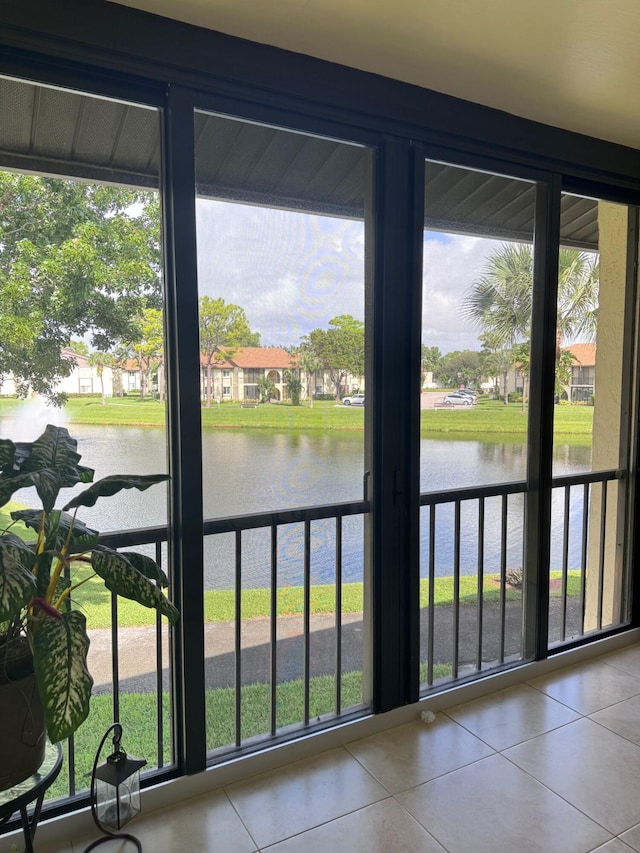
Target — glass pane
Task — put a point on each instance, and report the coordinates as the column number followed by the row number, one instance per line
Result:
column 477, row 285
column 591, row 428
column 81, row 325
column 281, row 276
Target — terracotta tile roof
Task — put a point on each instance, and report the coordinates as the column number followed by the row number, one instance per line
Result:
column 585, row 354
column 256, row 357
column 80, row 359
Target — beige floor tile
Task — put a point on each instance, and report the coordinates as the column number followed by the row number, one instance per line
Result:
column 594, row 769
column 614, row 846
column 627, row 660
column 380, row 828
column 588, row 687
column 285, row 802
column 205, row 824
column 408, row 755
column 622, row 718
column 494, row 807
column 511, row 716
column 632, row 837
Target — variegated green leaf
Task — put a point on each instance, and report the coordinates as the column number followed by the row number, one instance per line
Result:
column 60, row 663
column 7, row 454
column 10, row 485
column 122, row 577
column 54, row 464
column 56, row 528
column 109, row 486
column 17, row 583
column 146, row 566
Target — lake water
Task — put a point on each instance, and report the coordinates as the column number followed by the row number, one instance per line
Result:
column 255, row 471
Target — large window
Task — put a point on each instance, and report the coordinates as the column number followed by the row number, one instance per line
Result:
column 281, row 246
column 593, row 386
column 476, row 326
column 330, row 557
column 81, row 313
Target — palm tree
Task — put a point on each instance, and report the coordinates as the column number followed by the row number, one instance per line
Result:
column 500, row 301
column 310, row 363
column 100, row 360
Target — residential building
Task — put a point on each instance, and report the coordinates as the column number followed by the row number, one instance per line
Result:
column 544, row 152
column 583, row 373
column 236, row 376
column 84, row 378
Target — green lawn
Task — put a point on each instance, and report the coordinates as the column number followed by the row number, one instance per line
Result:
column 139, row 717
column 219, row 605
column 489, row 418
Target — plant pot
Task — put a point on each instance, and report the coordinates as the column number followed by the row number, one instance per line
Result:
column 22, row 732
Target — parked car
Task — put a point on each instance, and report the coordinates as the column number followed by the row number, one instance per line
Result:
column 468, row 392
column 459, row 398
column 354, row 400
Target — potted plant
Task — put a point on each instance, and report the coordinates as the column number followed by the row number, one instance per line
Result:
column 43, row 640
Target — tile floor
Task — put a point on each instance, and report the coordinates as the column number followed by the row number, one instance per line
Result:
column 552, row 765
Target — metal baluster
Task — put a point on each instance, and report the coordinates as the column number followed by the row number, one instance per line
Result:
column 338, row 615
column 603, row 533
column 432, row 572
column 456, row 589
column 159, row 663
column 503, row 576
column 274, row 624
column 71, row 744
column 565, row 561
column 307, row 618
column 115, row 671
column 238, row 637
column 480, row 602
column 583, row 561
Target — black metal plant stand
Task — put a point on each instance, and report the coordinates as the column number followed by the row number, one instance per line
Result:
column 32, row 789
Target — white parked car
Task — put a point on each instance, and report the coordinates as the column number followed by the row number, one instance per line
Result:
column 458, row 398
column 354, row 400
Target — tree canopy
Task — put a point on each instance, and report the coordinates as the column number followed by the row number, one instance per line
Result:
column 500, row 300
column 462, row 367
column 76, row 260
column 222, row 325
column 339, row 349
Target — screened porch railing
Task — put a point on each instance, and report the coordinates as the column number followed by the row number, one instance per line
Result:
column 571, row 589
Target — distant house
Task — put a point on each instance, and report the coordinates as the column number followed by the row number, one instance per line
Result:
column 583, row 373
column 83, row 379
column 234, row 375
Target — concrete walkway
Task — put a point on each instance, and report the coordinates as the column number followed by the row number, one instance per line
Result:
column 137, row 646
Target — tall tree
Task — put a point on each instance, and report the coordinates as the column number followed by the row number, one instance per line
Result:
column 308, row 360
column 462, row 367
column 100, row 360
column 429, row 361
column 497, row 360
column 294, row 386
column 222, row 325
column 76, row 259
column 339, row 349
column 523, row 362
column 146, row 345
column 500, row 301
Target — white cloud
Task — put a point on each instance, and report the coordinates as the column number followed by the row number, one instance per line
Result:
column 451, row 265
column 293, row 272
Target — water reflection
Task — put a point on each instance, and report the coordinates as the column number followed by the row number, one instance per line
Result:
column 257, row 471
